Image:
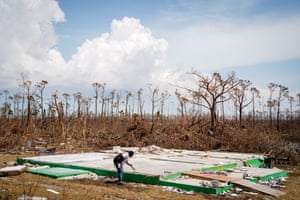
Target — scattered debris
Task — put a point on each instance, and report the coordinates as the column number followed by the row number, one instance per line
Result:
column 91, row 176
column 49, row 151
column 52, row 191
column 12, row 171
column 177, row 190
column 25, row 197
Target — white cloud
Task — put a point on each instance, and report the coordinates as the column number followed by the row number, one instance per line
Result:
column 127, row 57
column 234, row 43
column 27, row 40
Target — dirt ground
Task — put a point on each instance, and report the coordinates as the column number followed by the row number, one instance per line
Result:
column 26, row 184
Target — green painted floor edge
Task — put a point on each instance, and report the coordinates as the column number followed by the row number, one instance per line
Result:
column 280, row 174
column 172, row 176
column 196, row 188
column 219, row 167
column 138, row 178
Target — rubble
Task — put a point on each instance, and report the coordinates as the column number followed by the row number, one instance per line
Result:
column 12, row 170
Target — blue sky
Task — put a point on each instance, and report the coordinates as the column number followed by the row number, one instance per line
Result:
column 130, row 43
column 89, row 20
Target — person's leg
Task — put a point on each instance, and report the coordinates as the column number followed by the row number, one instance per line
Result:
column 118, row 169
column 120, row 174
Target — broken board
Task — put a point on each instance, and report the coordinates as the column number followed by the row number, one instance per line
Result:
column 207, row 176
column 257, row 187
column 246, row 184
column 12, row 171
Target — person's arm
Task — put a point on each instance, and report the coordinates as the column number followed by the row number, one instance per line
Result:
column 129, row 164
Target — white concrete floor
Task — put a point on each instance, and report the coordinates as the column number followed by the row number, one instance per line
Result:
column 152, row 160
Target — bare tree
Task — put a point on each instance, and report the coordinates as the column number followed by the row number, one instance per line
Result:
column 102, row 87
column 41, row 86
column 96, row 87
column 6, row 104
column 60, row 113
column 67, row 97
column 163, row 97
column 117, row 104
column 298, row 98
column 25, row 84
column 241, row 101
column 213, row 90
column 154, row 99
column 78, row 97
column 17, row 98
column 270, row 102
column 182, row 104
column 255, row 93
column 112, row 98
column 140, row 103
column 128, row 94
column 291, row 100
column 282, row 93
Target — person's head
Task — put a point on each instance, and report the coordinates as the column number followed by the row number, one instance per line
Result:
column 130, row 153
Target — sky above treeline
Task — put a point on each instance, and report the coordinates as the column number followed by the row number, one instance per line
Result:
column 130, row 43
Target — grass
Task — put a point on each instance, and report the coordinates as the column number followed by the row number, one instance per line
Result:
column 293, row 184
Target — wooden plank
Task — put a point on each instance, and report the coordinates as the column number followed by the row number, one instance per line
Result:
column 246, row 184
column 206, row 176
column 243, row 183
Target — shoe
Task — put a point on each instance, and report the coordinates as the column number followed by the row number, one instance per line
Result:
column 120, row 183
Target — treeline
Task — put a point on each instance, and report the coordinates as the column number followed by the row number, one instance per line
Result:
column 210, row 97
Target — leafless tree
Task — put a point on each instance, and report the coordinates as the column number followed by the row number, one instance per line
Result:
column 255, row 93
column 17, row 98
column 291, row 100
column 117, row 103
column 41, row 86
column 163, row 97
column 25, row 84
column 140, row 103
column 96, row 87
column 298, row 104
column 128, row 94
column 241, row 101
column 282, row 93
column 6, row 104
column 112, row 98
column 60, row 113
column 102, row 87
column 182, row 103
column 154, row 99
column 270, row 102
column 78, row 98
column 67, row 97
column 213, row 90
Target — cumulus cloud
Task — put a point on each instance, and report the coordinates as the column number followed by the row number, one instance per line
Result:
column 127, row 57
column 28, row 39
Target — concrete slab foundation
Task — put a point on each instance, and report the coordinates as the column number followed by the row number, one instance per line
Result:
column 159, row 166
